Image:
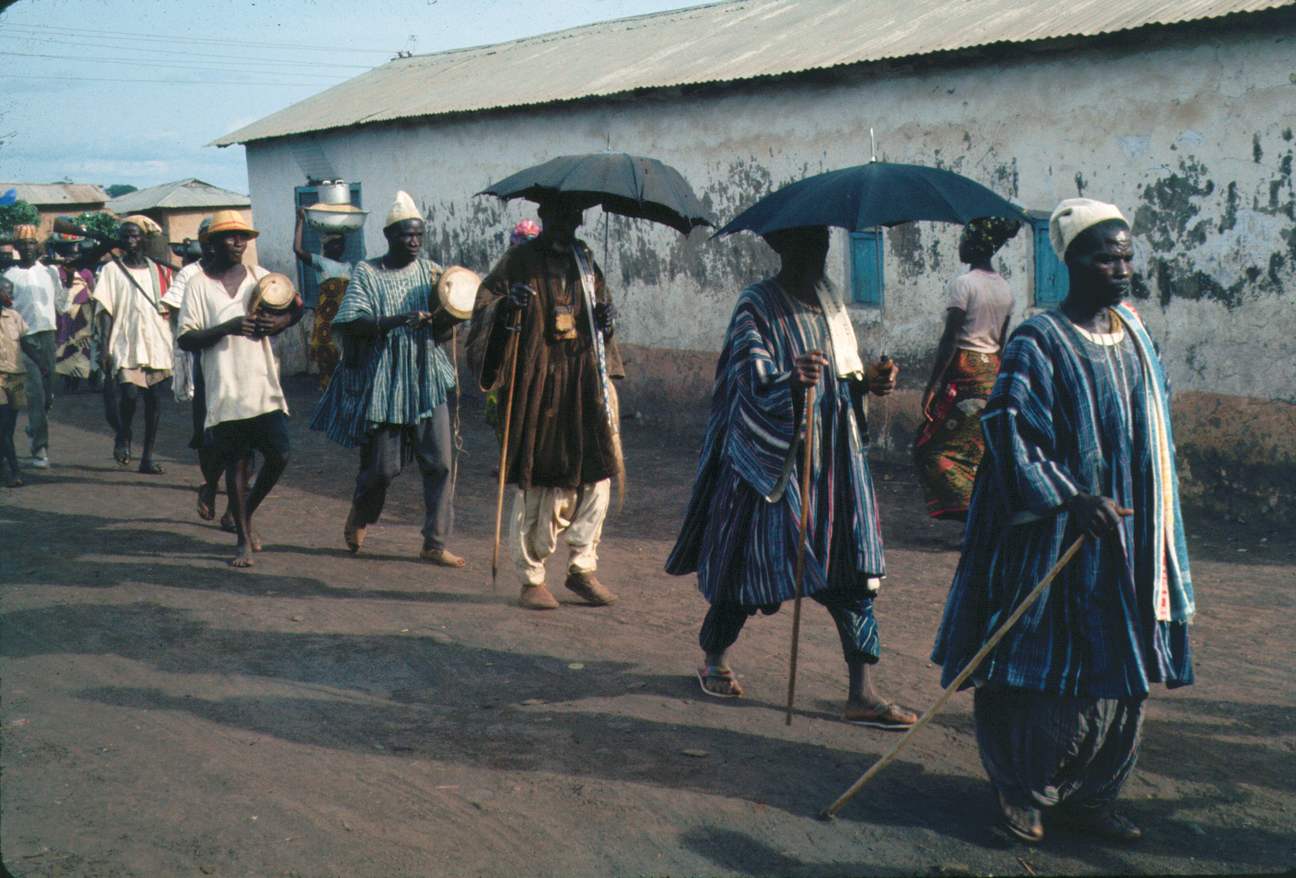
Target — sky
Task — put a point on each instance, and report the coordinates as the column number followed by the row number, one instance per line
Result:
column 131, row 91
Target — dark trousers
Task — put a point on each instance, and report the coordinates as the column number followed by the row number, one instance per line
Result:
column 383, row 456
column 8, row 454
column 1045, row 751
column 852, row 611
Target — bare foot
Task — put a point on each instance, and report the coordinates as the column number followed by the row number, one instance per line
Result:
column 243, row 558
column 206, row 502
column 255, row 540
column 227, row 522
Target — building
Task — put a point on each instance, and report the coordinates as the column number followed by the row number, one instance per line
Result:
column 1181, row 113
column 58, row 199
column 179, row 207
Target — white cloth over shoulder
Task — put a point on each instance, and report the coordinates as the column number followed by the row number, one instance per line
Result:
column 845, row 349
column 241, row 374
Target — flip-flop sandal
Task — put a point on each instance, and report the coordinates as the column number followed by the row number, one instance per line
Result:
column 711, row 672
column 206, row 508
column 149, row 468
column 121, row 453
column 888, row 717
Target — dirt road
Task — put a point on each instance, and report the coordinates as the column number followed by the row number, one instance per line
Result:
column 323, row 715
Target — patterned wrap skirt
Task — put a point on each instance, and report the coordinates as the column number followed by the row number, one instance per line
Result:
column 949, row 447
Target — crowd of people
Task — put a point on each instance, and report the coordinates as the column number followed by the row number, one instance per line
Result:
column 1058, row 430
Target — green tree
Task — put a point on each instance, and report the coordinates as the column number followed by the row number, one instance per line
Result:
column 100, row 221
column 20, row 213
column 117, row 190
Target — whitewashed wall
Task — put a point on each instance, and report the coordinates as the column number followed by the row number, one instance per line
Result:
column 1191, row 135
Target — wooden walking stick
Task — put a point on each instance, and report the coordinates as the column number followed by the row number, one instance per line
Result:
column 515, row 327
column 831, row 811
column 806, row 464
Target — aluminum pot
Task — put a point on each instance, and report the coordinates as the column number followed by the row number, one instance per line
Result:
column 334, row 192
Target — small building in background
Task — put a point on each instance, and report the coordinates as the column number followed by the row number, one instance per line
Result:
column 58, row 199
column 181, row 206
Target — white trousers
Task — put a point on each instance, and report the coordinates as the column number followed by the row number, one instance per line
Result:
column 541, row 515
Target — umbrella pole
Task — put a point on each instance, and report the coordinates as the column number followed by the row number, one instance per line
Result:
column 831, row 810
column 807, row 463
column 515, row 327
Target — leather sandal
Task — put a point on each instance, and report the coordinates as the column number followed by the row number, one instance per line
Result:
column 888, row 717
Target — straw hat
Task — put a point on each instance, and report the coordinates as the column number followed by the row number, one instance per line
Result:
column 25, row 233
column 146, row 224
column 230, row 221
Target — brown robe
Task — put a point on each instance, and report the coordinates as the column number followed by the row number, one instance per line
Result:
column 559, row 436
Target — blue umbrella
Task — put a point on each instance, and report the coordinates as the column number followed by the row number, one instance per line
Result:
column 875, row 194
column 620, row 183
column 9, row 197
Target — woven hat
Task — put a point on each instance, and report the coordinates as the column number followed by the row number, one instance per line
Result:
column 403, row 208
column 146, row 225
column 1073, row 215
column 26, row 232
column 230, row 221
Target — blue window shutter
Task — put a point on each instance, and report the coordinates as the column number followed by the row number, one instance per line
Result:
column 866, row 267
column 307, row 281
column 1050, row 272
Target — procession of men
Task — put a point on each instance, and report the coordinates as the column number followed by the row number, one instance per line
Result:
column 1079, row 447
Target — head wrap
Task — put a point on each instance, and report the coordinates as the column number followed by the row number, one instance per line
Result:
column 230, row 221
column 402, row 209
column 988, row 233
column 146, row 225
column 25, row 232
column 1073, row 215
column 524, row 231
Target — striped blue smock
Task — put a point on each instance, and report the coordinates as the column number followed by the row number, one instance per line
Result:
column 741, row 531
column 1070, row 414
column 404, row 375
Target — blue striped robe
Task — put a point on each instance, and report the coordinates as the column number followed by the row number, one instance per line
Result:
column 405, row 375
column 1065, row 416
column 742, row 544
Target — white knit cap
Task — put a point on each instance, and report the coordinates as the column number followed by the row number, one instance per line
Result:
column 402, row 209
column 1073, row 216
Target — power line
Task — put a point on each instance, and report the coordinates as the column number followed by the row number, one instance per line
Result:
column 159, row 81
column 219, row 55
column 209, row 40
column 101, row 60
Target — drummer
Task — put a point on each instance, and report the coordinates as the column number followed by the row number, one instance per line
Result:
column 246, row 407
column 390, row 393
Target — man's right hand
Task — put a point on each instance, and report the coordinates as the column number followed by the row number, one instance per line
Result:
column 807, row 368
column 1096, row 516
column 518, row 298
column 247, row 327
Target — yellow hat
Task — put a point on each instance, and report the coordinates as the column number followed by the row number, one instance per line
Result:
column 146, row 225
column 402, row 209
column 26, row 233
column 230, row 221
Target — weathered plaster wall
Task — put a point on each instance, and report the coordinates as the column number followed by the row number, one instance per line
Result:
column 1190, row 133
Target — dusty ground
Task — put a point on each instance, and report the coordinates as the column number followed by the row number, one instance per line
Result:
column 323, row 715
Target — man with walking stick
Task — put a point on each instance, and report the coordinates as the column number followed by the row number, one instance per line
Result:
column 790, row 340
column 534, row 339
column 1078, row 444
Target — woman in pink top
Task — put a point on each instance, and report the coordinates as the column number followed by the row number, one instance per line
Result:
column 949, row 445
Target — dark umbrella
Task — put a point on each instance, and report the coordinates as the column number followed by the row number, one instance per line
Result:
column 628, row 185
column 875, row 194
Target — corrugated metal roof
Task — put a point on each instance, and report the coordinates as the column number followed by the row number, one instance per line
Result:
column 182, row 194
column 719, row 42
column 51, row 194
